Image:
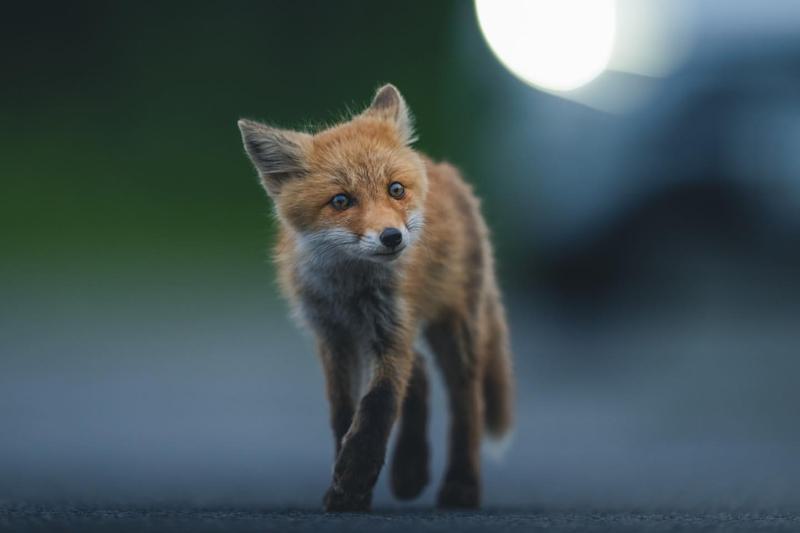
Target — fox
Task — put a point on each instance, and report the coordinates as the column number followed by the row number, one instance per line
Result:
column 380, row 248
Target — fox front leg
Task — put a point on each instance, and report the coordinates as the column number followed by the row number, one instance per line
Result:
column 338, row 362
column 364, row 446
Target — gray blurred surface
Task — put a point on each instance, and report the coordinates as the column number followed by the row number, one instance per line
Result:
column 213, row 396
column 32, row 518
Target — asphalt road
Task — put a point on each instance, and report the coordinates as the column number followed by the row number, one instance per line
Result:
column 19, row 517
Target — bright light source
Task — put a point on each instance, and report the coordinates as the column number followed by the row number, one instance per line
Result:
column 556, row 44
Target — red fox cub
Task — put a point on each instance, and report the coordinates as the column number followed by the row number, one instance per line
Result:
column 379, row 245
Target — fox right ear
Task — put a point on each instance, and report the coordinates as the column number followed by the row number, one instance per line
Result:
column 389, row 104
column 278, row 155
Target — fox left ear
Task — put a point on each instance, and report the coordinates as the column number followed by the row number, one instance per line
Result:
column 389, row 104
column 278, row 155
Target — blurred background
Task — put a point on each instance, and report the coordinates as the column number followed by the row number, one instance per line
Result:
column 639, row 167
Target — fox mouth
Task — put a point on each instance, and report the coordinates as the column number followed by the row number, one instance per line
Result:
column 391, row 254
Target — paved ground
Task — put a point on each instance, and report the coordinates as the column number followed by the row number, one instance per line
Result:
column 120, row 519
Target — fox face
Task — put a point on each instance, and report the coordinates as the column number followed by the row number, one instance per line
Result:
column 355, row 191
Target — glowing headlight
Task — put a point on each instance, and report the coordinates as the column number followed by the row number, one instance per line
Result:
column 555, row 44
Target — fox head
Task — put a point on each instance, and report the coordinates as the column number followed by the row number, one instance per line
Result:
column 355, row 190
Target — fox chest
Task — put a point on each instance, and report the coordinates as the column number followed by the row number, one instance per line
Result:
column 354, row 313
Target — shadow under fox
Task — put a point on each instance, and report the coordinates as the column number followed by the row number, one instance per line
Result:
column 380, row 245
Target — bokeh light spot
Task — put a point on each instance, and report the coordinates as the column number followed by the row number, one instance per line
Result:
column 556, row 45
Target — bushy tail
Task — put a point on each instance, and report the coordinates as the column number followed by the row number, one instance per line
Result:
column 498, row 381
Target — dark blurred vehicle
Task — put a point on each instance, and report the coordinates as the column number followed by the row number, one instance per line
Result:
column 699, row 186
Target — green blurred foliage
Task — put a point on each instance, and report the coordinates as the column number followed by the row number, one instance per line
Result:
column 119, row 132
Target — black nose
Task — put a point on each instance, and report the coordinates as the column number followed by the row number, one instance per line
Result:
column 391, row 237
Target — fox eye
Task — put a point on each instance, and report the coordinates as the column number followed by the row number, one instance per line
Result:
column 396, row 190
column 340, row 202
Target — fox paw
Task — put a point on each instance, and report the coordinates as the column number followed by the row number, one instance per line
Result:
column 410, row 470
column 459, row 495
column 337, row 501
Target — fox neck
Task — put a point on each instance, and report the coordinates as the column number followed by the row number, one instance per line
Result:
column 343, row 274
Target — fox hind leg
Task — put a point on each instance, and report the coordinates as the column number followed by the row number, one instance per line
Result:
column 453, row 343
column 410, row 463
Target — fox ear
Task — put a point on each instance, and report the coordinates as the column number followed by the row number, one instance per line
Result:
column 278, row 155
column 389, row 104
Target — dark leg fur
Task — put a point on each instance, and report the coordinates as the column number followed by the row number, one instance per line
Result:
column 338, row 371
column 363, row 449
column 410, row 471
column 453, row 344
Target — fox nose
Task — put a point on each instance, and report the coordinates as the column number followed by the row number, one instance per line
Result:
column 391, row 237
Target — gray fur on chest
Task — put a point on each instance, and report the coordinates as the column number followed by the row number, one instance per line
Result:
column 351, row 304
